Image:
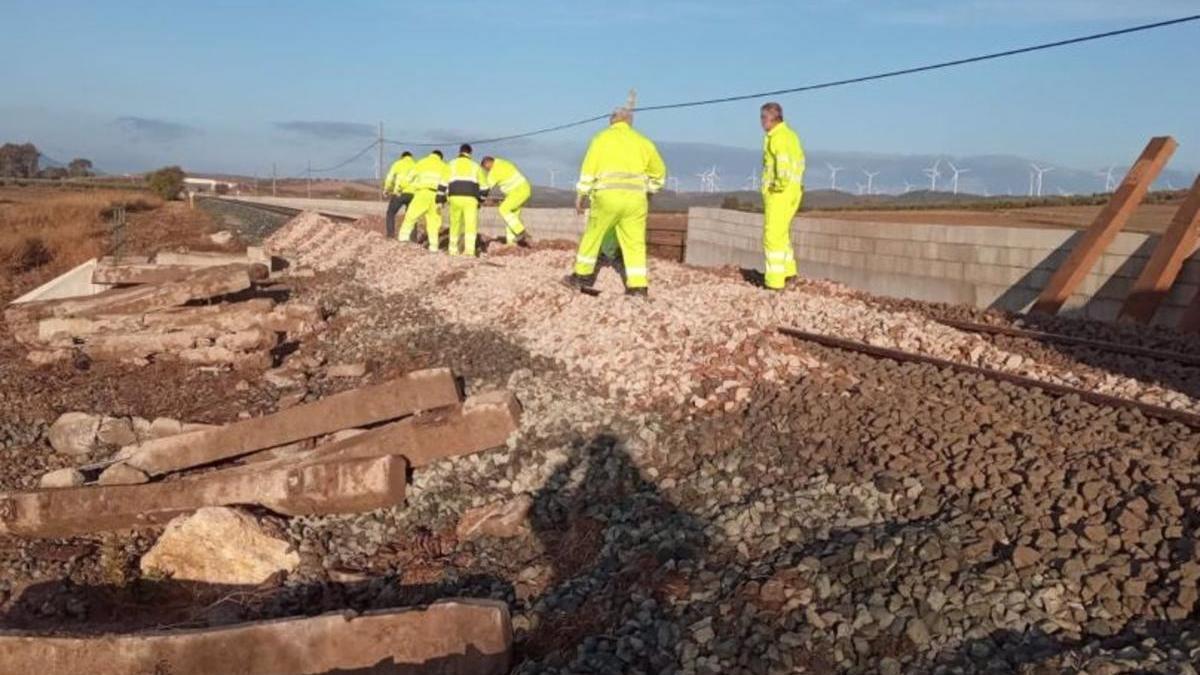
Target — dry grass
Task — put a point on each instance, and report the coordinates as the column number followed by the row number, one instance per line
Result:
column 46, row 232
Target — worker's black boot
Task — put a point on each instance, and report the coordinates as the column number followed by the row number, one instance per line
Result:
column 579, row 282
column 523, row 240
column 637, row 292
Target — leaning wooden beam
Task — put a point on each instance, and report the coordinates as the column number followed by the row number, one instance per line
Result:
column 1108, row 223
column 421, row 390
column 484, row 421
column 336, row 486
column 449, row 637
column 1176, row 244
column 1159, row 412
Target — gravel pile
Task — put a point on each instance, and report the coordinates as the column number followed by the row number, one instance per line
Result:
column 701, row 341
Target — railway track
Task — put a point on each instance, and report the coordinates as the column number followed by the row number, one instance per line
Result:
column 1058, row 338
column 1188, row 419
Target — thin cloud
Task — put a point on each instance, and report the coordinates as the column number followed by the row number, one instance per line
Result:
column 329, row 131
column 927, row 12
column 153, row 130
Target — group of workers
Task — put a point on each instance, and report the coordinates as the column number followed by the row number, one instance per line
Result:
column 621, row 170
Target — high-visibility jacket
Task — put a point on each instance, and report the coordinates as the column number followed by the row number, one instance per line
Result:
column 505, row 175
column 620, row 158
column 398, row 175
column 783, row 159
column 464, row 178
column 429, row 174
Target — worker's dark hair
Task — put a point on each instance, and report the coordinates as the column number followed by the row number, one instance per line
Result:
column 406, row 154
column 437, row 152
column 774, row 108
column 486, row 159
column 465, row 148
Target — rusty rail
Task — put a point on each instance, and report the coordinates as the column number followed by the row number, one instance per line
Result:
column 1159, row 412
column 1102, row 345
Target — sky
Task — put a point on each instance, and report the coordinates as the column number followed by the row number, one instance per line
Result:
column 237, row 86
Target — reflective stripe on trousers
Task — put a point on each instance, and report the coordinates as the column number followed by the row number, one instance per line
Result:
column 779, row 208
column 622, row 212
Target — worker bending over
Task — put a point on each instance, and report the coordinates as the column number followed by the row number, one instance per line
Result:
column 428, row 185
column 620, row 169
column 465, row 182
column 505, row 175
column 782, row 191
column 395, row 186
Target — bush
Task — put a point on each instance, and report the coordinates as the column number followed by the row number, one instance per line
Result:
column 29, row 255
column 166, row 182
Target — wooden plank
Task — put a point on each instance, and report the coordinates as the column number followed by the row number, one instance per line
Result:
column 666, row 237
column 675, row 222
column 421, row 390
column 1108, row 223
column 1173, row 248
column 448, row 637
column 339, row 485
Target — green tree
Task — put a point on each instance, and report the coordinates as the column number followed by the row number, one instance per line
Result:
column 166, row 182
column 80, row 167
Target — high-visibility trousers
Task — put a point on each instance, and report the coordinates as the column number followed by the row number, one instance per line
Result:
column 464, row 222
column 510, row 211
column 622, row 212
column 778, row 210
column 424, row 203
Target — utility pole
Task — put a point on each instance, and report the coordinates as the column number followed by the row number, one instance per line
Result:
column 379, row 172
column 308, row 180
column 272, row 179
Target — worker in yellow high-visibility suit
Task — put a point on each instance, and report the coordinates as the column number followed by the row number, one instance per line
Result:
column 465, row 182
column 395, row 187
column 428, row 185
column 782, row 191
column 620, row 169
column 505, row 175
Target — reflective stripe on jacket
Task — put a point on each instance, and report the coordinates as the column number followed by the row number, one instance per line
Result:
column 783, row 159
column 464, row 177
column 620, row 158
column 505, row 175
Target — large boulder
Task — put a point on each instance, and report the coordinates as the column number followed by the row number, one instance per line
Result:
column 74, row 433
column 219, row 545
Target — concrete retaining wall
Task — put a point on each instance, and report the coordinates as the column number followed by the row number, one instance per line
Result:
column 542, row 223
column 1001, row 267
column 70, row 284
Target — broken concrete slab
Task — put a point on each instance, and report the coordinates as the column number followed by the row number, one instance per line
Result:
column 450, row 637
column 201, row 259
column 116, row 431
column 484, row 421
column 219, row 545
column 139, row 273
column 420, row 390
column 201, row 285
column 347, row 370
column 335, row 486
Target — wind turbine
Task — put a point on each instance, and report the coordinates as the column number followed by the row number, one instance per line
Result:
column 714, row 178
column 870, row 180
column 833, row 172
column 553, row 173
column 1109, row 181
column 1041, row 172
column 907, row 187
column 673, row 181
column 933, row 174
column 752, row 181
column 956, row 171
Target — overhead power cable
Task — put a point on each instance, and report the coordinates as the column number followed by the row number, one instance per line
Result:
column 822, row 85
